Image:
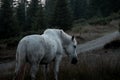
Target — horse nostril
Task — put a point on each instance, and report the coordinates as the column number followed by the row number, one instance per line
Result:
column 74, row 61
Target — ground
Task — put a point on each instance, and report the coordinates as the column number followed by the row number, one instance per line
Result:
column 101, row 64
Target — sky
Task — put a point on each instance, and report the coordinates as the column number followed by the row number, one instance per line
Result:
column 15, row 4
column 43, row 1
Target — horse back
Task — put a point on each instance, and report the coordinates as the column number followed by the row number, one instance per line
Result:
column 40, row 47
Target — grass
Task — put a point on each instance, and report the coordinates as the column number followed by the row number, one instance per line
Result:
column 94, row 65
column 97, row 65
column 103, row 64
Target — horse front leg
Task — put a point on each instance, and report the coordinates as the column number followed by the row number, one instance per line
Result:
column 34, row 69
column 46, row 71
column 56, row 67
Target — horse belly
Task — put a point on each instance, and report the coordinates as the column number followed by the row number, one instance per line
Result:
column 49, row 56
column 47, row 59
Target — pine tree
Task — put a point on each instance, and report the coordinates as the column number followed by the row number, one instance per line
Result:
column 21, row 17
column 62, row 15
column 0, row 17
column 7, row 26
column 79, row 8
column 31, row 14
column 39, row 20
column 49, row 11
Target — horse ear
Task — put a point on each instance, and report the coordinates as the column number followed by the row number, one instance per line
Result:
column 61, row 31
column 73, row 37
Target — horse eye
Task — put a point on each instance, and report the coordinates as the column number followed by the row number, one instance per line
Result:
column 74, row 46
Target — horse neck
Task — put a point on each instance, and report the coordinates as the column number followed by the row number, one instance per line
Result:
column 65, row 39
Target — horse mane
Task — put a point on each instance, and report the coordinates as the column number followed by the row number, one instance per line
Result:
column 65, row 38
column 58, row 32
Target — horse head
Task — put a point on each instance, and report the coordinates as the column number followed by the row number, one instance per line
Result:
column 69, row 45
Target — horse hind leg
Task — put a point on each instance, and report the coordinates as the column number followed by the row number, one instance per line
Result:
column 20, row 61
column 19, row 71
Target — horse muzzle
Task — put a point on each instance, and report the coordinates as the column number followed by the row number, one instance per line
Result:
column 74, row 61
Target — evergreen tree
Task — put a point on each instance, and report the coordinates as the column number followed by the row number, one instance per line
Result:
column 39, row 20
column 79, row 8
column 32, row 10
column 111, row 6
column 62, row 15
column 21, row 17
column 90, row 8
column 7, row 25
column 49, row 11
column 0, row 16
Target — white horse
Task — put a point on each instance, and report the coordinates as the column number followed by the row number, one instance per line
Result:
column 42, row 49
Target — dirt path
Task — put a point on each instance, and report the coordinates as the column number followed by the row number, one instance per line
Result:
column 7, row 68
column 98, row 43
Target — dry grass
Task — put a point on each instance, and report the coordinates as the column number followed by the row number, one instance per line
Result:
column 94, row 65
column 103, row 64
column 87, row 32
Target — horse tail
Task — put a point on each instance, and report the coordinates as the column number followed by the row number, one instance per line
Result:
column 20, row 60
